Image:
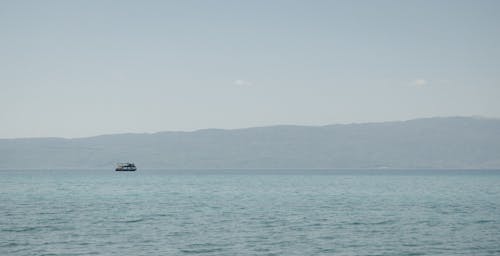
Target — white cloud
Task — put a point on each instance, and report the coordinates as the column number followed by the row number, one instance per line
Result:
column 420, row 82
column 240, row 82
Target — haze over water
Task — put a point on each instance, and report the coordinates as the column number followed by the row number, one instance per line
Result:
column 250, row 212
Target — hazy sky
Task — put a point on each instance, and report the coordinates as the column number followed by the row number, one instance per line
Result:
column 82, row 68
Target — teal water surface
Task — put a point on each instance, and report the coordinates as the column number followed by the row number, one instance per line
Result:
column 249, row 212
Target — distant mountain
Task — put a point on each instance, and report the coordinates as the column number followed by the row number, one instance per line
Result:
column 451, row 142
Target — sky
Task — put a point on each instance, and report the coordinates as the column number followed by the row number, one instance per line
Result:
column 85, row 68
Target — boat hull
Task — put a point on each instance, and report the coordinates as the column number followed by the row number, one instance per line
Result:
column 125, row 170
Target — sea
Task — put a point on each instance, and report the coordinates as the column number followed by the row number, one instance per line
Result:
column 250, row 212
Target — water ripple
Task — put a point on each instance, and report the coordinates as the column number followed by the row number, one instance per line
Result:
column 156, row 213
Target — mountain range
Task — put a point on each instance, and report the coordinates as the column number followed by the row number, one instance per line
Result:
column 443, row 142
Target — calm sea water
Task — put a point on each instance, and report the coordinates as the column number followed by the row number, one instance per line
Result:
column 245, row 212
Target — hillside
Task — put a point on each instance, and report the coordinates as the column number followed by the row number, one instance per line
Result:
column 452, row 142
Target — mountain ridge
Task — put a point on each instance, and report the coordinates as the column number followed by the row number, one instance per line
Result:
column 439, row 142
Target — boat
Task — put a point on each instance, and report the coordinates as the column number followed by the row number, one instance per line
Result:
column 125, row 167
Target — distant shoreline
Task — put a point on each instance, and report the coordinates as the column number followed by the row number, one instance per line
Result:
column 432, row 143
column 255, row 169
